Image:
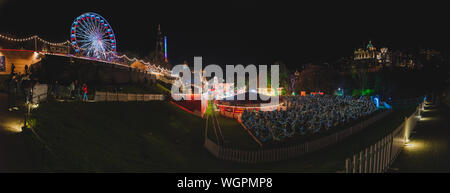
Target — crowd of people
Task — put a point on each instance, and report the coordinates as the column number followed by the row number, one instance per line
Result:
column 307, row 115
column 75, row 90
column 20, row 88
column 17, row 85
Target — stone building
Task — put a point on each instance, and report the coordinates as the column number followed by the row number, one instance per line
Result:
column 371, row 57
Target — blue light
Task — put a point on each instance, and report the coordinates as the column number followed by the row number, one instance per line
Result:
column 165, row 48
column 387, row 106
column 376, row 100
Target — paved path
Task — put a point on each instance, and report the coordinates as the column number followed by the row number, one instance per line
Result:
column 14, row 153
column 429, row 149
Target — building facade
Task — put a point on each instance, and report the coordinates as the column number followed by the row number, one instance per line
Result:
column 372, row 57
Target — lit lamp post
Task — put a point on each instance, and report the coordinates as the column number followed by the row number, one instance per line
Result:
column 26, row 117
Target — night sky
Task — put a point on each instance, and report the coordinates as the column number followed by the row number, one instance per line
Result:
column 234, row 32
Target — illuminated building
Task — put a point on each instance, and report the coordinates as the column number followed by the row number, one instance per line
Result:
column 404, row 60
column 371, row 57
column 369, row 52
column 19, row 58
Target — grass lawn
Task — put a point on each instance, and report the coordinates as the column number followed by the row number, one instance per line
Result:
column 158, row 136
column 233, row 133
column 154, row 136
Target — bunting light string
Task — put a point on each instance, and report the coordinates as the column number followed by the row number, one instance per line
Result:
column 33, row 38
column 142, row 61
column 17, row 39
column 151, row 67
column 67, row 42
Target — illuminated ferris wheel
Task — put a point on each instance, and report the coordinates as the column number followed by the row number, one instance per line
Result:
column 92, row 36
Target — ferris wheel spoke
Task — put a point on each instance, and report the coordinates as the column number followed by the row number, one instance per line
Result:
column 106, row 36
column 83, row 33
column 82, row 37
column 109, row 46
column 87, row 46
column 103, row 30
column 99, row 27
column 84, row 30
column 84, row 40
column 88, row 28
column 88, row 24
column 84, row 25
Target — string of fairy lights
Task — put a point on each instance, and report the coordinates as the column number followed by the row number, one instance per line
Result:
column 35, row 37
column 142, row 61
column 67, row 43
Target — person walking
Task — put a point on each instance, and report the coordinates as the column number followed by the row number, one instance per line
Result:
column 56, row 90
column 12, row 89
column 77, row 90
column 27, row 88
column 26, row 70
column 71, row 89
column 18, row 81
column 13, row 67
column 85, row 97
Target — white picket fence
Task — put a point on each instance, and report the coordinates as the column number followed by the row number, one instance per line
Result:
column 126, row 97
column 378, row 157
